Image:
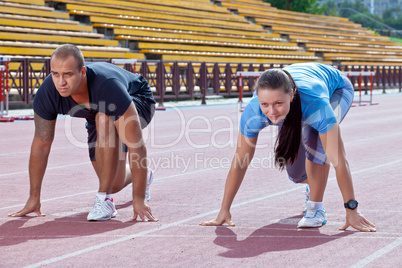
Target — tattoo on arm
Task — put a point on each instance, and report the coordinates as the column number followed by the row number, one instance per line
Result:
column 44, row 129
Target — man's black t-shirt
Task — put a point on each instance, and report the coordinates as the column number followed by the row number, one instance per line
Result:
column 111, row 90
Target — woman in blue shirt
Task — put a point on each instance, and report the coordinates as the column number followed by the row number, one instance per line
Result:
column 307, row 101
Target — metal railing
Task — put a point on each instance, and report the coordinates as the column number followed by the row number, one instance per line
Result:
column 185, row 80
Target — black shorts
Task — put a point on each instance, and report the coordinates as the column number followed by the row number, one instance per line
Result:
column 145, row 109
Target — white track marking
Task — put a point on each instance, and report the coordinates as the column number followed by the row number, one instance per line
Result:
column 377, row 254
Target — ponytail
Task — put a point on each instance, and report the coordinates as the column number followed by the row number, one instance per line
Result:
column 289, row 137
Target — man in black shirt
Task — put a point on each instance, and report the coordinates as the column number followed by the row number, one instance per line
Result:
column 117, row 105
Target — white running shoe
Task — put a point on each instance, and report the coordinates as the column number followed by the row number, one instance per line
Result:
column 313, row 217
column 150, row 179
column 307, row 194
column 102, row 210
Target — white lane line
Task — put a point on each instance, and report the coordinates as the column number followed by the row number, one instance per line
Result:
column 329, row 237
column 376, row 136
column 376, row 167
column 27, row 152
column 185, row 174
column 93, row 191
column 156, row 229
column 328, row 234
column 49, row 168
column 376, row 255
column 84, row 163
column 52, row 199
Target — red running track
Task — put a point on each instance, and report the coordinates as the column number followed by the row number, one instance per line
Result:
column 190, row 150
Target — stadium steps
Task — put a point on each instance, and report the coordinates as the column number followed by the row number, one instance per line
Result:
column 35, row 11
column 231, row 30
column 31, row 29
column 321, row 34
column 136, row 22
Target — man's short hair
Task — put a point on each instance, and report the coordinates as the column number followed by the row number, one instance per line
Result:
column 67, row 50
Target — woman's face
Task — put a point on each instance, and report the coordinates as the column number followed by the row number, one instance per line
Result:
column 275, row 103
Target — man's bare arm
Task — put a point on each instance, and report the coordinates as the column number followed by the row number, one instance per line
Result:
column 44, row 129
column 40, row 149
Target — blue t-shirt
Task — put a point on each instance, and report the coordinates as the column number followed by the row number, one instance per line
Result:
column 111, row 90
column 316, row 83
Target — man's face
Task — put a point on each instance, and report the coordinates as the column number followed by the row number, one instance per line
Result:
column 65, row 75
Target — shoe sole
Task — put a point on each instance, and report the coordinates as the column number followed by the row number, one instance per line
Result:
column 103, row 219
column 312, row 226
column 98, row 219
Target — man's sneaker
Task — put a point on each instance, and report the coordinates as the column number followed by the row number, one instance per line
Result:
column 313, row 217
column 150, row 178
column 307, row 194
column 102, row 210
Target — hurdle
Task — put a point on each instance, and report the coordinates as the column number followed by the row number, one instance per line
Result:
column 360, row 75
column 134, row 63
column 1, row 90
column 4, row 88
column 242, row 74
column 5, row 91
column 2, row 113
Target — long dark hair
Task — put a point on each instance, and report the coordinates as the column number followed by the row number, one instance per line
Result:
column 289, row 138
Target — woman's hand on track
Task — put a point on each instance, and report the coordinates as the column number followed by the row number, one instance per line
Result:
column 356, row 220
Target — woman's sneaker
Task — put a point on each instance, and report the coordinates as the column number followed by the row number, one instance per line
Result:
column 313, row 217
column 307, row 194
column 102, row 210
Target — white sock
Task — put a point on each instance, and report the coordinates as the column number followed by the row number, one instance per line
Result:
column 109, row 196
column 101, row 195
column 316, row 205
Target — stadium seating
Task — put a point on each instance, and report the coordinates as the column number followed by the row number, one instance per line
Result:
column 35, row 30
column 28, row 2
column 323, row 35
column 35, row 11
column 238, row 31
column 216, row 31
